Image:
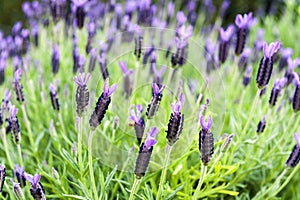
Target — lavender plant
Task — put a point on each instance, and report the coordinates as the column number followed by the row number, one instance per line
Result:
column 163, row 52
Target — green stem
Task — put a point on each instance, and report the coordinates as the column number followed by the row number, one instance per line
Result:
column 241, row 101
column 215, row 162
column 90, row 142
column 164, row 171
column 274, row 185
column 252, row 111
column 20, row 154
column 170, row 75
column 136, row 74
column 134, row 188
column 27, row 125
column 203, row 174
column 6, row 148
column 79, row 145
column 65, row 137
column 121, row 173
column 287, row 180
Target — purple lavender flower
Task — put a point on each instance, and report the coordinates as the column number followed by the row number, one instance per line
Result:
column 138, row 43
column 247, row 76
column 82, row 93
column 158, row 74
column 103, row 65
column 2, row 176
column 181, row 40
column 292, row 64
column 17, row 190
column 145, row 152
column 127, row 82
column 54, row 97
column 225, row 43
column 176, row 120
column 266, row 64
column 206, row 141
column 102, row 105
column 155, row 101
column 285, row 54
column 146, row 12
column 181, row 18
column 55, row 59
column 92, row 61
column 130, row 7
column 278, row 86
column 19, row 173
column 139, row 123
column 296, row 97
column 3, row 65
column 225, row 5
column 14, row 124
column 244, row 58
column 170, row 9
column 75, row 59
column 261, row 125
column 79, row 12
column 294, row 157
column 4, row 114
column 91, row 32
column 16, row 29
column 81, row 62
column 58, row 9
column 211, row 62
column 118, row 11
column 18, row 86
column 37, row 191
column 243, row 22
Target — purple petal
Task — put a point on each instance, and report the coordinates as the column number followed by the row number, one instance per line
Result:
column 18, row 74
column 52, row 88
column 206, row 126
column 297, row 138
column 181, row 19
column 112, row 89
column 155, row 88
column 161, row 89
column 153, row 132
column 123, row 66
column 7, row 95
column 13, row 111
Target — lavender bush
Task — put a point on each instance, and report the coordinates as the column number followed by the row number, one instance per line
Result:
column 145, row 100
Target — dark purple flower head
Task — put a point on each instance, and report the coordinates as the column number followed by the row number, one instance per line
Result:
column 33, row 180
column 56, row 53
column 286, row 52
column 144, row 4
column 156, row 90
column 107, row 91
column 82, row 79
column 206, row 126
column 177, row 107
column 16, row 28
column 18, row 74
column 270, row 50
column 124, row 68
column 209, row 47
column 52, row 88
column 19, row 169
column 181, row 18
column 226, row 35
column 244, row 21
column 13, row 111
column 7, row 95
column 191, row 6
column 150, row 138
column 136, row 116
column 118, row 9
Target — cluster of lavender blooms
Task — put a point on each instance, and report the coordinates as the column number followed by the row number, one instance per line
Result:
column 89, row 16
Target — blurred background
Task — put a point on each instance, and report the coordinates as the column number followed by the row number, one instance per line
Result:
column 11, row 12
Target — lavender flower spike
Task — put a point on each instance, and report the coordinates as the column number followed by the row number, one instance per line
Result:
column 14, row 124
column 37, row 191
column 82, row 93
column 55, row 59
column 2, row 176
column 296, row 97
column 294, row 157
column 206, row 141
column 145, row 152
column 139, row 123
column 225, row 42
column 266, row 64
column 18, row 86
column 19, row 173
column 79, row 12
column 176, row 120
column 243, row 23
column 127, row 82
column 155, row 101
column 102, row 105
column 181, row 18
column 54, row 97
